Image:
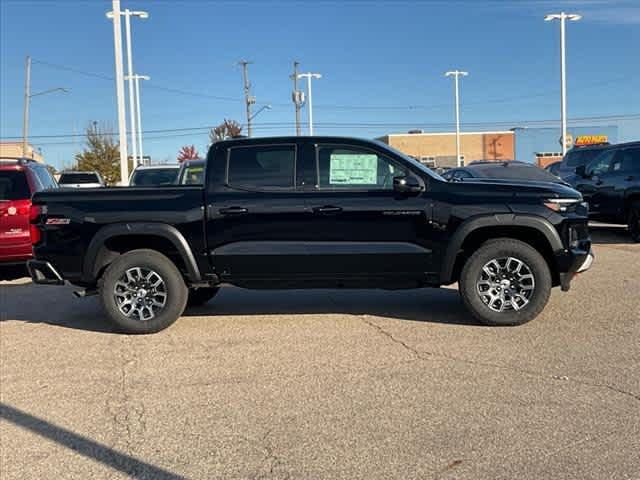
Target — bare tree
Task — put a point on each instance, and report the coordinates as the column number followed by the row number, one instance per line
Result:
column 188, row 152
column 227, row 129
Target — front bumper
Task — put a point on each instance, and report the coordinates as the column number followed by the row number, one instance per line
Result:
column 582, row 261
column 44, row 273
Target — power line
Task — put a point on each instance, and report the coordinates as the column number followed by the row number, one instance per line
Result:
column 157, row 87
column 187, row 131
column 491, row 101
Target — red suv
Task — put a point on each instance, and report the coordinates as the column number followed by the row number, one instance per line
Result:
column 19, row 179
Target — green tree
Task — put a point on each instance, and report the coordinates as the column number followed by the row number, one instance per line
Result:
column 101, row 154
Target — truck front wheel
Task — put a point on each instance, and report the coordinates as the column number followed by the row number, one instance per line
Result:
column 505, row 282
column 142, row 291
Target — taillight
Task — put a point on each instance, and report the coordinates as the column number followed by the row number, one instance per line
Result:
column 34, row 231
column 17, row 207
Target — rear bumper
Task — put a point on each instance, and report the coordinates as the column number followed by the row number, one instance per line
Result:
column 44, row 273
column 582, row 261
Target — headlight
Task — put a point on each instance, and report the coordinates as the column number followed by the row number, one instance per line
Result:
column 562, row 204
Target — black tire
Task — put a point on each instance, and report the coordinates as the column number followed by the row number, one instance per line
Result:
column 634, row 222
column 503, row 248
column 200, row 296
column 173, row 292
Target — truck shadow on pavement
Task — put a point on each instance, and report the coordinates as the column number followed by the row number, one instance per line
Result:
column 119, row 461
column 31, row 303
column 419, row 305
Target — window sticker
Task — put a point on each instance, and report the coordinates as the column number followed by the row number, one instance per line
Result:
column 353, row 169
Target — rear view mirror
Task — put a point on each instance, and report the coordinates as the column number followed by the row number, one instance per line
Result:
column 408, row 184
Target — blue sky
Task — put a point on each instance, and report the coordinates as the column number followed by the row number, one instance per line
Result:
column 382, row 63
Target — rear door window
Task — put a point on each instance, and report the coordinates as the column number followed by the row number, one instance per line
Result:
column 268, row 167
column 14, row 185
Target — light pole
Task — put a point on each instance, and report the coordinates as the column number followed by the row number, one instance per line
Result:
column 264, row 107
column 563, row 17
column 114, row 15
column 309, row 76
column 127, row 14
column 27, row 103
column 456, row 74
column 136, row 79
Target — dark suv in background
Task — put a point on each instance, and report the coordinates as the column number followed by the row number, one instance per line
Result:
column 578, row 156
column 610, row 183
column 19, row 180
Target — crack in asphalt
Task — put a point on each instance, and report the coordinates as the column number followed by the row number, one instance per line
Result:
column 127, row 415
column 390, row 336
column 423, row 355
column 272, row 461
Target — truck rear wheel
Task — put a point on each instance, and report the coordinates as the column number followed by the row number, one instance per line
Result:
column 142, row 291
column 200, row 296
column 505, row 282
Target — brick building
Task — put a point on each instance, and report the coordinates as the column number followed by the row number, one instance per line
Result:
column 14, row 150
column 439, row 149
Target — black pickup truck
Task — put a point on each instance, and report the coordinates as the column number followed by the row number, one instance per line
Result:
column 311, row 212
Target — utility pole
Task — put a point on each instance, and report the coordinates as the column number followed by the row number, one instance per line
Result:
column 563, row 17
column 297, row 96
column 27, row 98
column 456, row 74
column 27, row 104
column 309, row 76
column 122, row 120
column 249, row 100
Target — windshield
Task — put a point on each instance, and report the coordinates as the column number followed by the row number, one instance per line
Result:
column 80, row 177
column 192, row 175
column 154, row 176
column 575, row 158
column 13, row 185
column 410, row 160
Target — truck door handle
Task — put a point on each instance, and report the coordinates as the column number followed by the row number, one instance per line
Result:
column 233, row 211
column 630, row 178
column 327, row 209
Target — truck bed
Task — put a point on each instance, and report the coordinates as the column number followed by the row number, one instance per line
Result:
column 72, row 218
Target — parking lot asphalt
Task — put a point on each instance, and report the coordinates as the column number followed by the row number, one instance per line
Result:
column 328, row 384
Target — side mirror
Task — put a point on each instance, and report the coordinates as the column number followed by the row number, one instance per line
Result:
column 581, row 171
column 408, row 184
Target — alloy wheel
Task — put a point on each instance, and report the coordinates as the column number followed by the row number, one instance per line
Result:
column 140, row 293
column 505, row 284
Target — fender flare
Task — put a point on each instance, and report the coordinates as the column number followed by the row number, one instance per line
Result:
column 163, row 230
column 540, row 224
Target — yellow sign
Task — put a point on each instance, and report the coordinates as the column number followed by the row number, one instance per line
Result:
column 591, row 139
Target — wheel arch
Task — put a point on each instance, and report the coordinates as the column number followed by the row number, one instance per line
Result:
column 115, row 239
column 535, row 231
